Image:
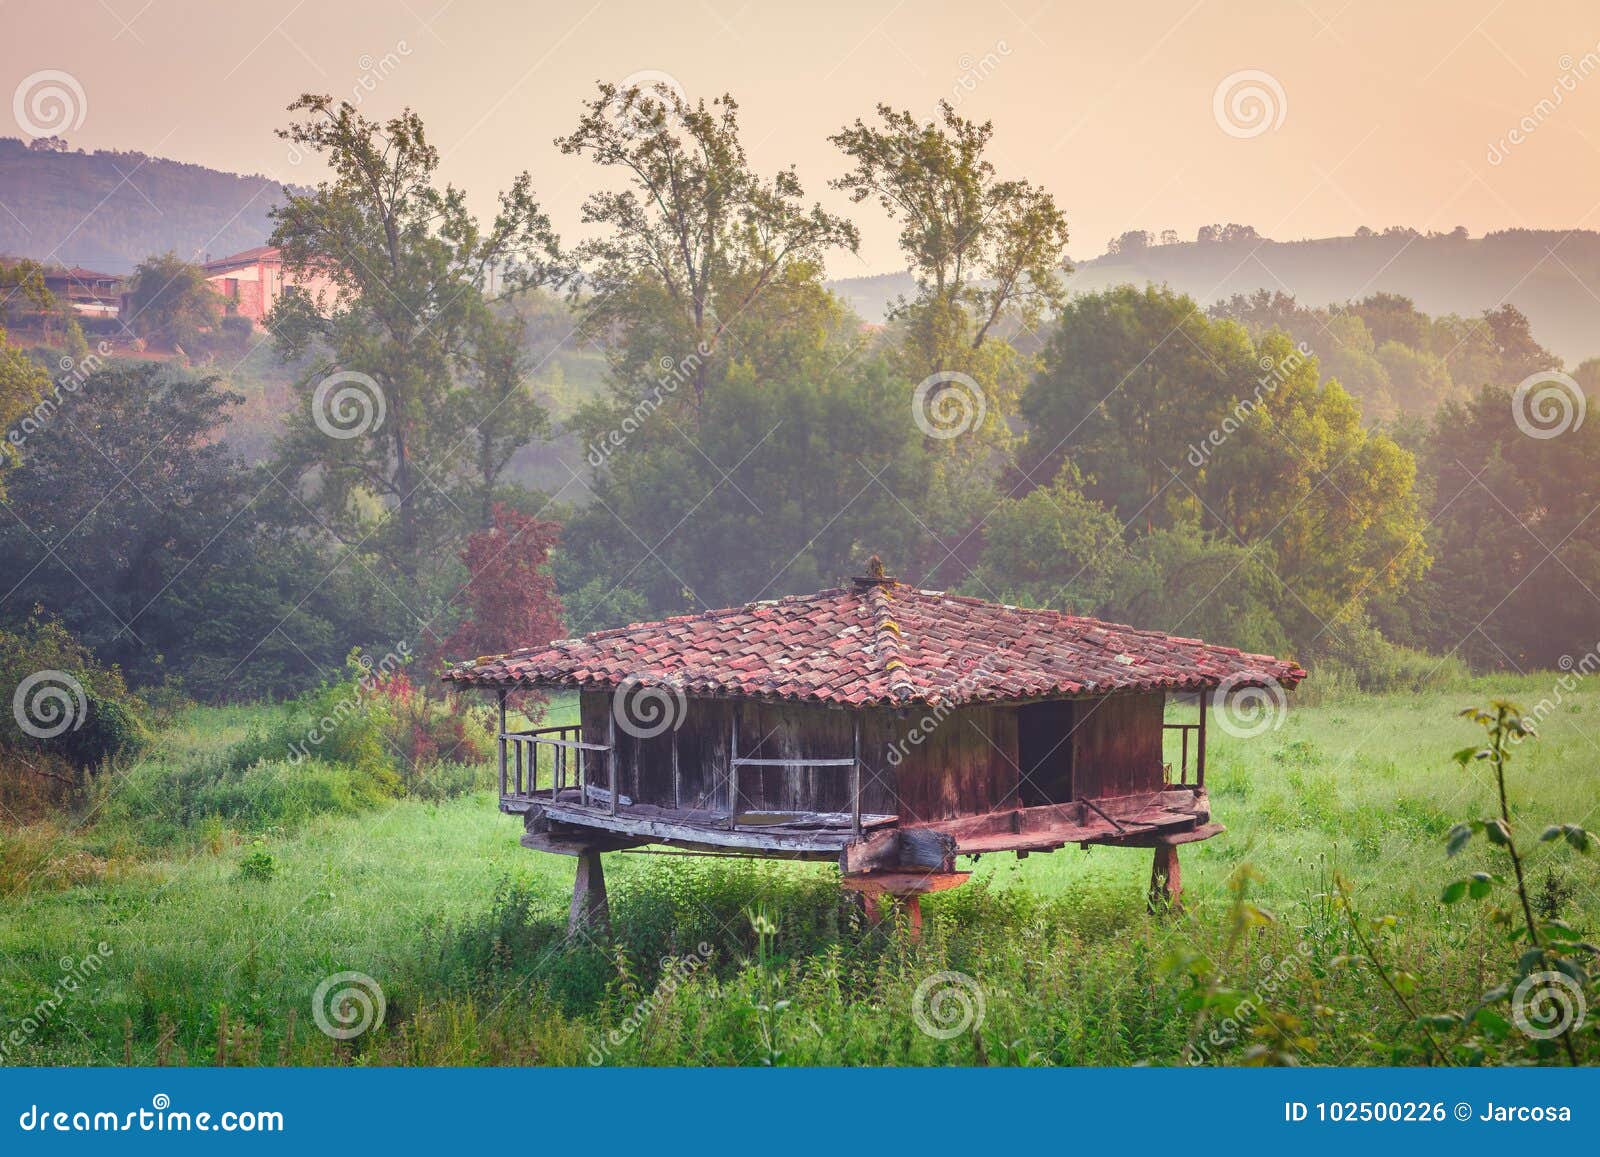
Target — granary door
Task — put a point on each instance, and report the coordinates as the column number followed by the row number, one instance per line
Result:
column 1044, row 752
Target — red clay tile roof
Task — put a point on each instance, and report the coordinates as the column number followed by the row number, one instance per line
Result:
column 267, row 253
column 884, row 643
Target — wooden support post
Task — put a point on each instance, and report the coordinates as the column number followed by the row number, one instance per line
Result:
column 1200, row 741
column 589, row 907
column 1166, row 880
column 869, row 904
column 500, row 738
column 912, row 906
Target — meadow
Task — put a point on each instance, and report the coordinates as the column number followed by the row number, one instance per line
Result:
column 213, row 925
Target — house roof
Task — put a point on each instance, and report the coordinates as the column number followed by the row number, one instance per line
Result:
column 880, row 642
column 268, row 253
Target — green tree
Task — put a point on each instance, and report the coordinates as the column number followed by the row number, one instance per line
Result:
column 1188, row 583
column 501, row 410
column 22, row 286
column 989, row 258
column 1132, row 381
column 171, row 303
column 1510, row 528
column 410, row 266
column 983, row 250
column 793, row 477
column 131, row 521
column 696, row 253
column 1334, row 502
column 1053, row 547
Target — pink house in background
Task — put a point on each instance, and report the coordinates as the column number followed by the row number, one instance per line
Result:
column 251, row 282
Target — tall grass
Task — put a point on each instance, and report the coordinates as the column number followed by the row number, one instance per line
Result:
column 465, row 931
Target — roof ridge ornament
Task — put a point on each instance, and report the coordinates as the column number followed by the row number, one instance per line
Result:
column 876, row 576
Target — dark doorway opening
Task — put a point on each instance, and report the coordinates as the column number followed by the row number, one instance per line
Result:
column 1044, row 750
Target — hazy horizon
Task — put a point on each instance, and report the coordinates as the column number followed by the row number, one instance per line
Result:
column 1373, row 114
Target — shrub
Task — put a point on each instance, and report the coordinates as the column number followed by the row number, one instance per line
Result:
column 168, row 802
column 102, row 718
column 1354, row 656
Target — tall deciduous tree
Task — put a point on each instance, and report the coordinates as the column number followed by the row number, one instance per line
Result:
column 696, row 249
column 410, row 268
column 982, row 249
column 1131, row 380
column 131, row 521
column 1513, row 531
column 989, row 256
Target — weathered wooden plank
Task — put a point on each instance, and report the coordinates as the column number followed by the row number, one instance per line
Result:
column 904, row 883
column 626, row 823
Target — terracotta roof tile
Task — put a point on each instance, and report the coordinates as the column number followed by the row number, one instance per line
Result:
column 881, row 643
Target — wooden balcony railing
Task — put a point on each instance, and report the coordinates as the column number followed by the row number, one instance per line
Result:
column 569, row 762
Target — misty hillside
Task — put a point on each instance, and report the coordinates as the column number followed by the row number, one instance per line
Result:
column 110, row 210
column 1552, row 276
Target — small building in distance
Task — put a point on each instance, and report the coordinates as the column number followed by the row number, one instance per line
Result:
column 886, row 728
column 250, row 283
column 86, row 292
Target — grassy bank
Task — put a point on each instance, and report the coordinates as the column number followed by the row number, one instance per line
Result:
column 216, row 936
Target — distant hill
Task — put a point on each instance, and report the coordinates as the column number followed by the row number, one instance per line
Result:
column 109, row 211
column 1560, row 293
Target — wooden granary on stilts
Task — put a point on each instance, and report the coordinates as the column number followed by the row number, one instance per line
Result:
column 879, row 726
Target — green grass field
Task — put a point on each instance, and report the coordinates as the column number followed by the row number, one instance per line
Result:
column 214, row 942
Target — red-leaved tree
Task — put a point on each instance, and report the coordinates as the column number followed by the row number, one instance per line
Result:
column 510, row 597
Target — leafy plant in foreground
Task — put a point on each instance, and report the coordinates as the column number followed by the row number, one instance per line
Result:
column 1548, row 985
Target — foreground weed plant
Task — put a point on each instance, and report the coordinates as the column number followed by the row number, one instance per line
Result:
column 1549, row 984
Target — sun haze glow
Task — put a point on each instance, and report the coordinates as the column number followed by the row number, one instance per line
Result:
column 1302, row 120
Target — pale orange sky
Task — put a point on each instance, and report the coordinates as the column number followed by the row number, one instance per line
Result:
column 1389, row 109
